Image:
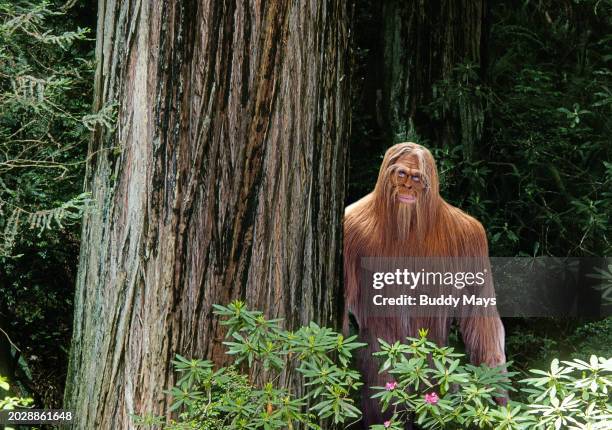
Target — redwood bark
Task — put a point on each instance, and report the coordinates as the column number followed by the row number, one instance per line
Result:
column 223, row 178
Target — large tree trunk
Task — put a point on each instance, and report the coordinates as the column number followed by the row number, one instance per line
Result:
column 428, row 43
column 224, row 178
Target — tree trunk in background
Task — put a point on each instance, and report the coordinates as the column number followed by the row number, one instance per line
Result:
column 424, row 42
column 224, row 178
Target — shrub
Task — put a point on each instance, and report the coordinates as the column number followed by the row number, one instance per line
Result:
column 11, row 402
column 593, row 338
column 431, row 385
column 228, row 399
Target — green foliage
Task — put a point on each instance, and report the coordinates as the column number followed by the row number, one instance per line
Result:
column 225, row 398
column 206, row 397
column 45, row 90
column 532, row 343
column 530, row 348
column 46, row 76
column 464, row 98
column 429, row 384
column 605, row 276
column 573, row 396
column 550, row 129
column 432, row 383
column 10, row 402
column 432, row 386
column 592, row 338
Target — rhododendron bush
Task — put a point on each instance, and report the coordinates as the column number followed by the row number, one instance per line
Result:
column 430, row 385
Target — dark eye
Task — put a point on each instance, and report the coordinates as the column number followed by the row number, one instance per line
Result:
column 416, row 178
column 401, row 174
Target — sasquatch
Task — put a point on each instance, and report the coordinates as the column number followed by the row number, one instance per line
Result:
column 406, row 217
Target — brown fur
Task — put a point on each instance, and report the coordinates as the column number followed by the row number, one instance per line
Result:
column 379, row 226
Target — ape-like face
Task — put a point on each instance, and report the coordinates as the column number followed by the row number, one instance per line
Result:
column 407, row 179
column 406, row 195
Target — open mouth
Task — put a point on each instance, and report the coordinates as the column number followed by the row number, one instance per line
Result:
column 406, row 198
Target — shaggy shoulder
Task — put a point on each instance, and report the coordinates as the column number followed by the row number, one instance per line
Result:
column 358, row 207
column 469, row 234
column 358, row 221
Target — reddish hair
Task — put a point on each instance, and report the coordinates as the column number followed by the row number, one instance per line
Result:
column 436, row 229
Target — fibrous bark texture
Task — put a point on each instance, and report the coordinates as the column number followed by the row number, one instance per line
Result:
column 223, row 178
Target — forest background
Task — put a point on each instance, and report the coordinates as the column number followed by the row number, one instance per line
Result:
column 520, row 124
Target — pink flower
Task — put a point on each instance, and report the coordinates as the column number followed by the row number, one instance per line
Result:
column 387, row 424
column 432, row 398
column 390, row 386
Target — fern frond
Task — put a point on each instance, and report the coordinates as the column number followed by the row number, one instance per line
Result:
column 67, row 213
